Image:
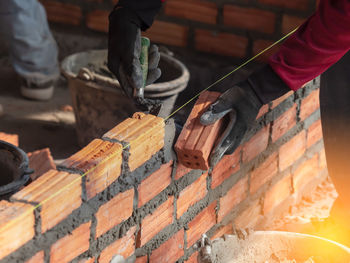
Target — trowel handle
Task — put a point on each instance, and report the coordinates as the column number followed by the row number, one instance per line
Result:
column 145, row 44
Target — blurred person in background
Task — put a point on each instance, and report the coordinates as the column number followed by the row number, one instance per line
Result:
column 32, row 49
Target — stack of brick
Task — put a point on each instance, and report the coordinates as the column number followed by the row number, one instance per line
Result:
column 127, row 194
column 229, row 28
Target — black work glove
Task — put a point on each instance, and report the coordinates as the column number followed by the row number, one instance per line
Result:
column 124, row 49
column 242, row 102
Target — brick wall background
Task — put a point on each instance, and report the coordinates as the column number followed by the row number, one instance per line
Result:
column 138, row 201
column 235, row 28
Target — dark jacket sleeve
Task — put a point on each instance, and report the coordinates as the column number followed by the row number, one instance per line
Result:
column 144, row 9
column 320, row 42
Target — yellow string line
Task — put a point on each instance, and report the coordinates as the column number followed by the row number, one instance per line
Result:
column 145, row 133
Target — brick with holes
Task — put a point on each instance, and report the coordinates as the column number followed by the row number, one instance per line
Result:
column 196, row 141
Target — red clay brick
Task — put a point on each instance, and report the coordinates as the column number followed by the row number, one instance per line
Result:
column 59, row 193
column 37, row 258
column 223, row 230
column 152, row 224
column 10, row 138
column 264, row 173
column 289, row 23
column 261, row 44
column 277, row 194
column 16, row 226
column 144, row 133
column 196, row 141
column 170, row 251
column 292, row 150
column 256, row 144
column 191, row 195
column 228, row 165
column 124, row 246
column 72, row 245
column 284, row 123
column 193, row 258
column 143, row 259
column 40, row 161
column 201, row 224
column 181, row 170
column 155, row 183
column 278, row 101
column 100, row 161
column 310, row 104
column 314, row 133
column 62, row 12
column 98, row 20
column 202, row 11
column 263, row 110
column 233, row 197
column 296, row 4
column 220, row 43
column 112, row 213
column 323, row 161
column 249, row 18
column 305, row 173
column 168, row 33
column 249, row 217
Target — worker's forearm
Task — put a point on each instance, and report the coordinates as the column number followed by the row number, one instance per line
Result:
column 320, row 42
column 145, row 9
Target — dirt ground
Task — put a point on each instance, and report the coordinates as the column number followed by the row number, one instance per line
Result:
column 38, row 124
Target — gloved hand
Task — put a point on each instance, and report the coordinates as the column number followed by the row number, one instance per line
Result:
column 242, row 102
column 124, row 49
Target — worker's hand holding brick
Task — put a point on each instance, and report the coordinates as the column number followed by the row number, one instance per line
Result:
column 124, row 50
column 242, row 102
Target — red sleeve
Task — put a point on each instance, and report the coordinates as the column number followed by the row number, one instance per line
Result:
column 320, row 42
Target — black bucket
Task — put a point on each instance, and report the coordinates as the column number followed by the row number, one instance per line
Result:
column 14, row 169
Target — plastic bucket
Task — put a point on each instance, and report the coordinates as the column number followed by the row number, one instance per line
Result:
column 14, row 167
column 100, row 104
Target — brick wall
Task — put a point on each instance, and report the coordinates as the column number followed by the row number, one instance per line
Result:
column 230, row 28
column 127, row 194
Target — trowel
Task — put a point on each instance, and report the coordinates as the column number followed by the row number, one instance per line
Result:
column 146, row 105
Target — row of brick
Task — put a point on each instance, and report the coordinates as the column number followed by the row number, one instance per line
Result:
column 100, row 163
column 291, row 183
column 177, row 34
column 78, row 241
column 242, row 17
column 268, row 169
column 59, row 193
column 193, row 152
column 286, row 155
